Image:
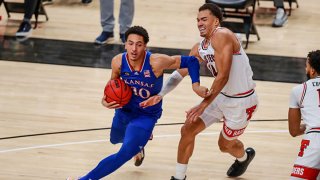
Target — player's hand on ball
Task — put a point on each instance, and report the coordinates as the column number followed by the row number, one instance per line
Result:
column 151, row 101
column 111, row 105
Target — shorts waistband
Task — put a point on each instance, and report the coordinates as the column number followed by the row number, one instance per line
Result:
column 314, row 130
column 240, row 95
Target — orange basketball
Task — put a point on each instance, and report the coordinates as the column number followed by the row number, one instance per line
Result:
column 117, row 90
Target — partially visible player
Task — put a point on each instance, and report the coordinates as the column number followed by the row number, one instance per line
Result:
column 305, row 104
column 143, row 71
column 232, row 95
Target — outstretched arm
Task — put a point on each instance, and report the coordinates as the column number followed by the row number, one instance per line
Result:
column 173, row 80
column 176, row 77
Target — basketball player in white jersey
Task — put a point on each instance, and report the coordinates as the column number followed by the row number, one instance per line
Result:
column 231, row 96
column 305, row 104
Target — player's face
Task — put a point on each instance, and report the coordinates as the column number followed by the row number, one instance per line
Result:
column 207, row 22
column 135, row 47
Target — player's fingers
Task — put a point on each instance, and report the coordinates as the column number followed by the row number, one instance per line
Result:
column 112, row 105
column 143, row 104
column 194, row 118
column 189, row 115
column 103, row 99
column 115, row 106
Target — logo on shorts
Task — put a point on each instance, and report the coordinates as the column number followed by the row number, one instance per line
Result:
column 232, row 133
column 298, row 171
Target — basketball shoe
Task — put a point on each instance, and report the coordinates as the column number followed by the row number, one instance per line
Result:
column 238, row 168
column 173, row 178
column 122, row 38
column 24, row 30
column 280, row 19
column 86, row 1
column 104, row 38
column 139, row 158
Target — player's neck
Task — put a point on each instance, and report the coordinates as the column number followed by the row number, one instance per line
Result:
column 210, row 35
column 137, row 63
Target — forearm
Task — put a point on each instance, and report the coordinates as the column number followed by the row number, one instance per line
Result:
column 297, row 130
column 172, row 82
column 193, row 66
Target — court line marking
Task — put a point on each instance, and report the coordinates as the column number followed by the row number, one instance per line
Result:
column 98, row 129
column 104, row 140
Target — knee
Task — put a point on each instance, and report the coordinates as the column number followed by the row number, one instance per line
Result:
column 114, row 140
column 188, row 132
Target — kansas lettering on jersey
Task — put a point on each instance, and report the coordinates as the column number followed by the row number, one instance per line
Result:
column 240, row 77
column 144, row 84
column 306, row 96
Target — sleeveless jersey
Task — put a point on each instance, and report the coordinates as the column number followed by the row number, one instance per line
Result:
column 144, row 84
column 240, row 77
column 306, row 96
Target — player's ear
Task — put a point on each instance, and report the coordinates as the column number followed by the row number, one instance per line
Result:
column 217, row 22
column 312, row 71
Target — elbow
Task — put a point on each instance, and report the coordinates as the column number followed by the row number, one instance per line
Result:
column 293, row 133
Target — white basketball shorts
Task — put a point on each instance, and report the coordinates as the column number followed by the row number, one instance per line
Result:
column 307, row 165
column 236, row 113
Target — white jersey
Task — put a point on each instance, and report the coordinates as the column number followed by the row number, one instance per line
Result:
column 240, row 77
column 306, row 96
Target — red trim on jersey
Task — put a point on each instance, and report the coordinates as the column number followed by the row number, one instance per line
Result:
column 141, row 66
column 232, row 132
column 303, row 93
column 237, row 53
column 304, row 172
column 245, row 93
column 203, row 45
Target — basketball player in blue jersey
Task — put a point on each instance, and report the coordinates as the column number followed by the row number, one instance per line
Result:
column 132, row 124
column 231, row 96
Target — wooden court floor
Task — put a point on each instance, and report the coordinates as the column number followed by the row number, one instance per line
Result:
column 40, row 98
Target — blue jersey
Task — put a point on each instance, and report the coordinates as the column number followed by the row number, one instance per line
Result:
column 144, row 84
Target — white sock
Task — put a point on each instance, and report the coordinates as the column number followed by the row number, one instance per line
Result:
column 181, row 170
column 243, row 158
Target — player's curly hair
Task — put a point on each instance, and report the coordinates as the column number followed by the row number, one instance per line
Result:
column 139, row 30
column 314, row 60
column 214, row 9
